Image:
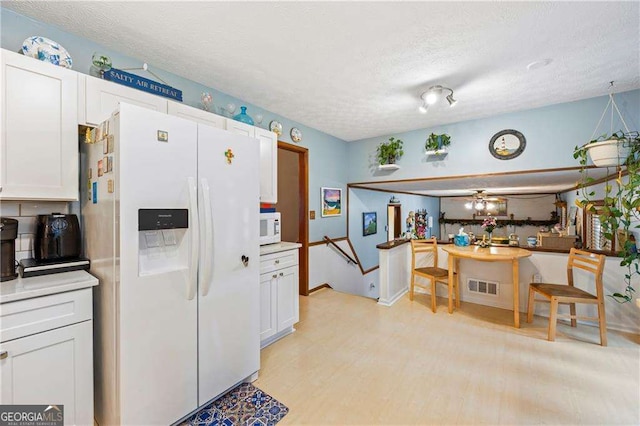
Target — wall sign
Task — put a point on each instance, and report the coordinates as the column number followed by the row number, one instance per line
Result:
column 141, row 83
column 507, row 144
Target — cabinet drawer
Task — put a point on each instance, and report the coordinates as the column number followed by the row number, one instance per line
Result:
column 284, row 259
column 26, row 317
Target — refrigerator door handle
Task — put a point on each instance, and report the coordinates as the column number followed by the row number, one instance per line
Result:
column 207, row 255
column 195, row 242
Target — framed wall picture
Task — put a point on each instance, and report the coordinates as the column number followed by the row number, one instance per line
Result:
column 495, row 207
column 331, row 202
column 507, row 144
column 369, row 223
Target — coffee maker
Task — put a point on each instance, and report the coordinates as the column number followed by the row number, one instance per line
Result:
column 8, row 235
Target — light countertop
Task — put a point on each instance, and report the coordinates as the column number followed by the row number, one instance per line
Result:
column 43, row 285
column 278, row 247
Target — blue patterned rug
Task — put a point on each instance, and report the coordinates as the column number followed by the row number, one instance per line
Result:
column 245, row 405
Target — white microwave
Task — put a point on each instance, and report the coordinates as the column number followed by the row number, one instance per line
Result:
column 269, row 228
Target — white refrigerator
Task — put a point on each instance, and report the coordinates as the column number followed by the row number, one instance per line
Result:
column 170, row 216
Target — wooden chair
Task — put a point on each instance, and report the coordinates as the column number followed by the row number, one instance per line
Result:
column 432, row 273
column 556, row 294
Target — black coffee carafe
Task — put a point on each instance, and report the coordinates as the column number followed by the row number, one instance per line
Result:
column 8, row 235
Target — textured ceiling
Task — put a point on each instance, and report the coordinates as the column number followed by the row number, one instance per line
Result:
column 356, row 70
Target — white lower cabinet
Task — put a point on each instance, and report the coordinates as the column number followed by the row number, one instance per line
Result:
column 54, row 365
column 268, row 311
column 287, row 294
column 279, row 303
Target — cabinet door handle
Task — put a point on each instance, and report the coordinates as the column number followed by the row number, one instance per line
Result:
column 274, row 276
column 281, row 274
column 277, row 261
column 4, row 354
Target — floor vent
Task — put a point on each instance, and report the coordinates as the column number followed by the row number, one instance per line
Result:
column 475, row 285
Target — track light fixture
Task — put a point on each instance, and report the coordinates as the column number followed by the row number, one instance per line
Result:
column 452, row 102
column 432, row 96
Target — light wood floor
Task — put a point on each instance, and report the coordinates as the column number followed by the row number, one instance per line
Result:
column 352, row 361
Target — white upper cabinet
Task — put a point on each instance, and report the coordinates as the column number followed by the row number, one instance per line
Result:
column 101, row 98
column 268, row 157
column 240, row 128
column 197, row 115
column 39, row 139
column 268, row 165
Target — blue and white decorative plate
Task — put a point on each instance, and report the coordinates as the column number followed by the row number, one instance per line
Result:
column 46, row 50
column 296, row 134
column 276, row 127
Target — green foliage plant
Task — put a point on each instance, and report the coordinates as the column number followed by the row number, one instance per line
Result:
column 389, row 152
column 621, row 209
column 437, row 142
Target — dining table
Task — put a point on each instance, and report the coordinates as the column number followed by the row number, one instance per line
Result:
column 490, row 254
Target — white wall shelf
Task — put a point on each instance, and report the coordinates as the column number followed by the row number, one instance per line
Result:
column 437, row 153
column 388, row 167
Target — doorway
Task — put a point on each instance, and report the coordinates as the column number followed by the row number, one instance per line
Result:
column 394, row 224
column 293, row 203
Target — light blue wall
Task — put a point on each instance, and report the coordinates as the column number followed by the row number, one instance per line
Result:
column 364, row 200
column 327, row 154
column 551, row 132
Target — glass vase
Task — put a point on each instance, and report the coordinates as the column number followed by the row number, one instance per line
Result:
column 243, row 117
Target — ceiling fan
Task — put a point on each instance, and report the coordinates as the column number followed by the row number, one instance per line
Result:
column 480, row 201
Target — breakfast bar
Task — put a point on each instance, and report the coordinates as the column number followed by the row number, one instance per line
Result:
column 489, row 254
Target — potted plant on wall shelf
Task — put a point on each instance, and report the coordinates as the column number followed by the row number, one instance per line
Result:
column 389, row 152
column 437, row 144
column 621, row 210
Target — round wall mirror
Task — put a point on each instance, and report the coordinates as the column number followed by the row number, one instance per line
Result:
column 507, row 144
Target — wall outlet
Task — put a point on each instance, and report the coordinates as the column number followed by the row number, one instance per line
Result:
column 372, row 286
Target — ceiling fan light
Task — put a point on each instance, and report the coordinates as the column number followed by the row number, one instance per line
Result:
column 491, row 206
column 479, row 205
column 468, row 205
column 452, row 102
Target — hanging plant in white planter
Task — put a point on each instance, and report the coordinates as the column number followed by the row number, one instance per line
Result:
column 611, row 149
column 621, row 209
